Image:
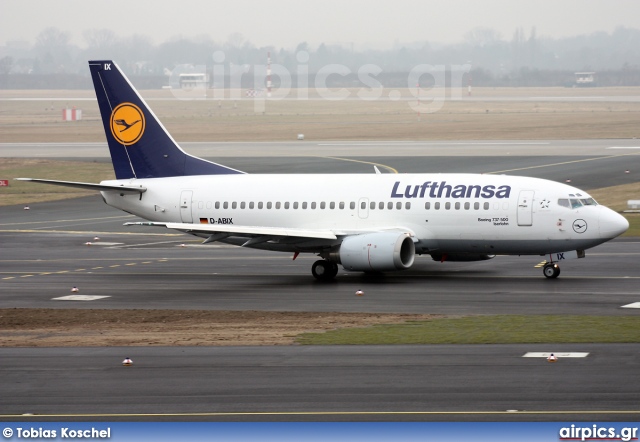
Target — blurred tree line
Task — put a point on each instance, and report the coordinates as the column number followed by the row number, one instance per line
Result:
column 522, row 59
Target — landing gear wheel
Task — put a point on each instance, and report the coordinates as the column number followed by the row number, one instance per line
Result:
column 334, row 269
column 324, row 270
column 551, row 271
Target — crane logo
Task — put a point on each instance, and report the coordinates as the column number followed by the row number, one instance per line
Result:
column 127, row 123
column 579, row 226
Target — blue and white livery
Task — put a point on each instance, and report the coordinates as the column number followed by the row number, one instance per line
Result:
column 367, row 223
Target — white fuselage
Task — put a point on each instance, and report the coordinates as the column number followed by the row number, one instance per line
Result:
column 450, row 213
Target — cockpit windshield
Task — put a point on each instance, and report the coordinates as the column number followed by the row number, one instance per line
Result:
column 588, row 202
column 576, row 201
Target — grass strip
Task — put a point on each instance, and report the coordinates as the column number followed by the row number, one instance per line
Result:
column 498, row 329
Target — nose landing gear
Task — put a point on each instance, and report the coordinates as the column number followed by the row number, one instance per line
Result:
column 551, row 270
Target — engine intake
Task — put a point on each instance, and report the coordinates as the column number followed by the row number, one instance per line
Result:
column 376, row 252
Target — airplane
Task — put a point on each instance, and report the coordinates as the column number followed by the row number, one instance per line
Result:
column 364, row 222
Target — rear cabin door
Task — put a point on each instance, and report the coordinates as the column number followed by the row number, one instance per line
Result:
column 185, row 206
column 525, row 208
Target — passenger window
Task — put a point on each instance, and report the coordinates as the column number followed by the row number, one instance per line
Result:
column 341, row 205
column 295, row 205
column 225, row 205
column 313, row 205
column 286, row 205
column 217, row 204
column 427, row 206
column 269, row 205
column 407, row 205
column 352, row 205
column 398, row 205
column 208, row 204
column 332, row 205
column 277, row 204
column 437, row 206
column 457, row 206
column 260, row 205
column 372, row 205
column 467, row 206
column 486, row 206
column 251, row 205
column 323, row 205
column 381, row 205
column 447, row 205
column 476, row 206
column 242, row 205
column 390, row 205
column 304, row 205
column 234, row 205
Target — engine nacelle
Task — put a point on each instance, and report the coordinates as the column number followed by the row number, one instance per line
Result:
column 376, row 252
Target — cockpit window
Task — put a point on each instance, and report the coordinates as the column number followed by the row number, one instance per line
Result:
column 575, row 203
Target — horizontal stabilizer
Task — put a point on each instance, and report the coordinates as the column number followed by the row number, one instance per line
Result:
column 240, row 230
column 90, row 186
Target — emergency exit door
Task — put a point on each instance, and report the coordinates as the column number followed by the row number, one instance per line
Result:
column 363, row 208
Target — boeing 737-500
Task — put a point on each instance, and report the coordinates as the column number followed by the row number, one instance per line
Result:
column 362, row 222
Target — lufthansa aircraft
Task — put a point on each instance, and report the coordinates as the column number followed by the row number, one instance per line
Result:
column 366, row 223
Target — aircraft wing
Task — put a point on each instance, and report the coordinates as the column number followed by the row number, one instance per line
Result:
column 90, row 186
column 221, row 231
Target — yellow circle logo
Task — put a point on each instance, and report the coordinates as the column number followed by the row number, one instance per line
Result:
column 127, row 123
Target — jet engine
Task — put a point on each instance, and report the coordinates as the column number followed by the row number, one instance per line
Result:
column 376, row 252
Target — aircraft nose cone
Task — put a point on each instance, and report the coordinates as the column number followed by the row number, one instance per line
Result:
column 612, row 224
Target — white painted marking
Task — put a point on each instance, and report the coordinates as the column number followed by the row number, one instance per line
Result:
column 632, row 305
column 79, row 298
column 624, row 147
column 558, row 355
column 102, row 243
column 409, row 143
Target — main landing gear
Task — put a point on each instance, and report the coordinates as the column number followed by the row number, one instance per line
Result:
column 324, row 270
column 551, row 270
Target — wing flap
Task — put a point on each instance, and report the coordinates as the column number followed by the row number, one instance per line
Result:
column 234, row 230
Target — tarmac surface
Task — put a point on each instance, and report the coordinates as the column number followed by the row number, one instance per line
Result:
column 44, row 255
column 317, row 383
column 368, row 149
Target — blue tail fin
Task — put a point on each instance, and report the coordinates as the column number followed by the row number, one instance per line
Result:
column 140, row 146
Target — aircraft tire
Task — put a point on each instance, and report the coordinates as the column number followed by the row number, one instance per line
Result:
column 333, row 269
column 551, row 271
column 324, row 270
